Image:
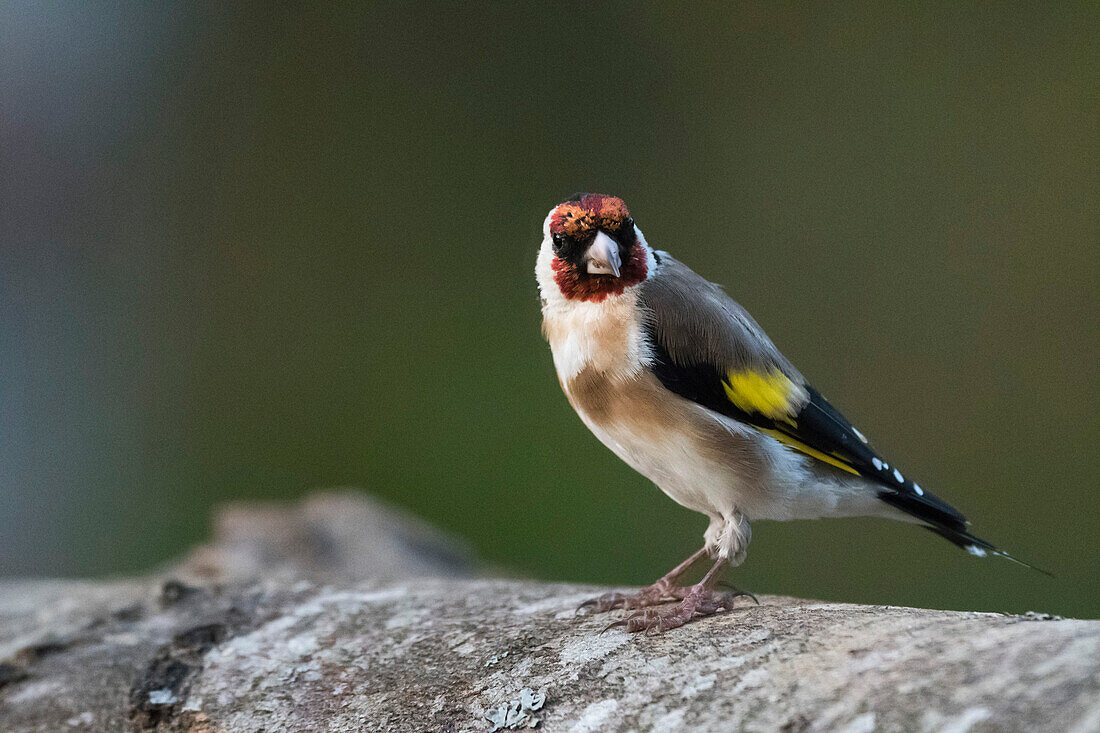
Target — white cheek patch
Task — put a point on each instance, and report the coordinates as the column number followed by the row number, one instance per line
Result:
column 544, row 274
column 650, row 258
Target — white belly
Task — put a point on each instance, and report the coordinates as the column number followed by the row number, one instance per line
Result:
column 673, row 462
column 791, row 487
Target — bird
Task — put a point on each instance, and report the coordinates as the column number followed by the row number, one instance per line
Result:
column 682, row 384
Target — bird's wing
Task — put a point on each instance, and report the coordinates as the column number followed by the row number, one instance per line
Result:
column 708, row 349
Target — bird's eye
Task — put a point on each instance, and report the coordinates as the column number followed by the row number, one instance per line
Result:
column 558, row 242
column 626, row 234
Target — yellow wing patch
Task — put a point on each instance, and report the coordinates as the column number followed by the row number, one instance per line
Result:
column 771, row 394
column 812, row 452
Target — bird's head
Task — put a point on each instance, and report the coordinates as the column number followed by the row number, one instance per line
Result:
column 593, row 248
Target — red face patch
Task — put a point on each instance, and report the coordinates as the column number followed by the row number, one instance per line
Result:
column 573, row 225
column 577, row 284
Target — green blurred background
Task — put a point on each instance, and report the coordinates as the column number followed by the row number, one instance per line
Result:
column 251, row 251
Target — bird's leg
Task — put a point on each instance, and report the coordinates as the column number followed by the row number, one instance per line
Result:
column 699, row 600
column 663, row 591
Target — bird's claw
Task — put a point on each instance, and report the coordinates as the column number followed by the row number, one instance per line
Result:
column 698, row 602
column 738, row 593
column 602, row 603
column 658, row 593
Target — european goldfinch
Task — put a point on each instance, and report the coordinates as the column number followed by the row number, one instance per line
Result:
column 682, row 384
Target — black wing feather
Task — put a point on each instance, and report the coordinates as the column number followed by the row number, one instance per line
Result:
column 820, row 426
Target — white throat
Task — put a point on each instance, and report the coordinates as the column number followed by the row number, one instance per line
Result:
column 606, row 336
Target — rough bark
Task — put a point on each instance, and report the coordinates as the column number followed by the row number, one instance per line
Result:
column 340, row 614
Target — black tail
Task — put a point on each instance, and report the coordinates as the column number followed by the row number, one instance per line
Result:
column 946, row 521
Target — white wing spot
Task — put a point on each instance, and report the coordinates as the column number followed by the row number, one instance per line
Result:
column 860, row 435
column 897, row 476
column 976, row 551
column 878, row 464
column 919, row 490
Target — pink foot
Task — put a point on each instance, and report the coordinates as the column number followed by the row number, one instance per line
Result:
column 698, row 601
column 660, row 592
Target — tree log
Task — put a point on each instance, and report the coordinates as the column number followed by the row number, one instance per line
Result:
column 342, row 614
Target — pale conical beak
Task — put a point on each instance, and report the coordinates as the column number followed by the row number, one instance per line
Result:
column 602, row 256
